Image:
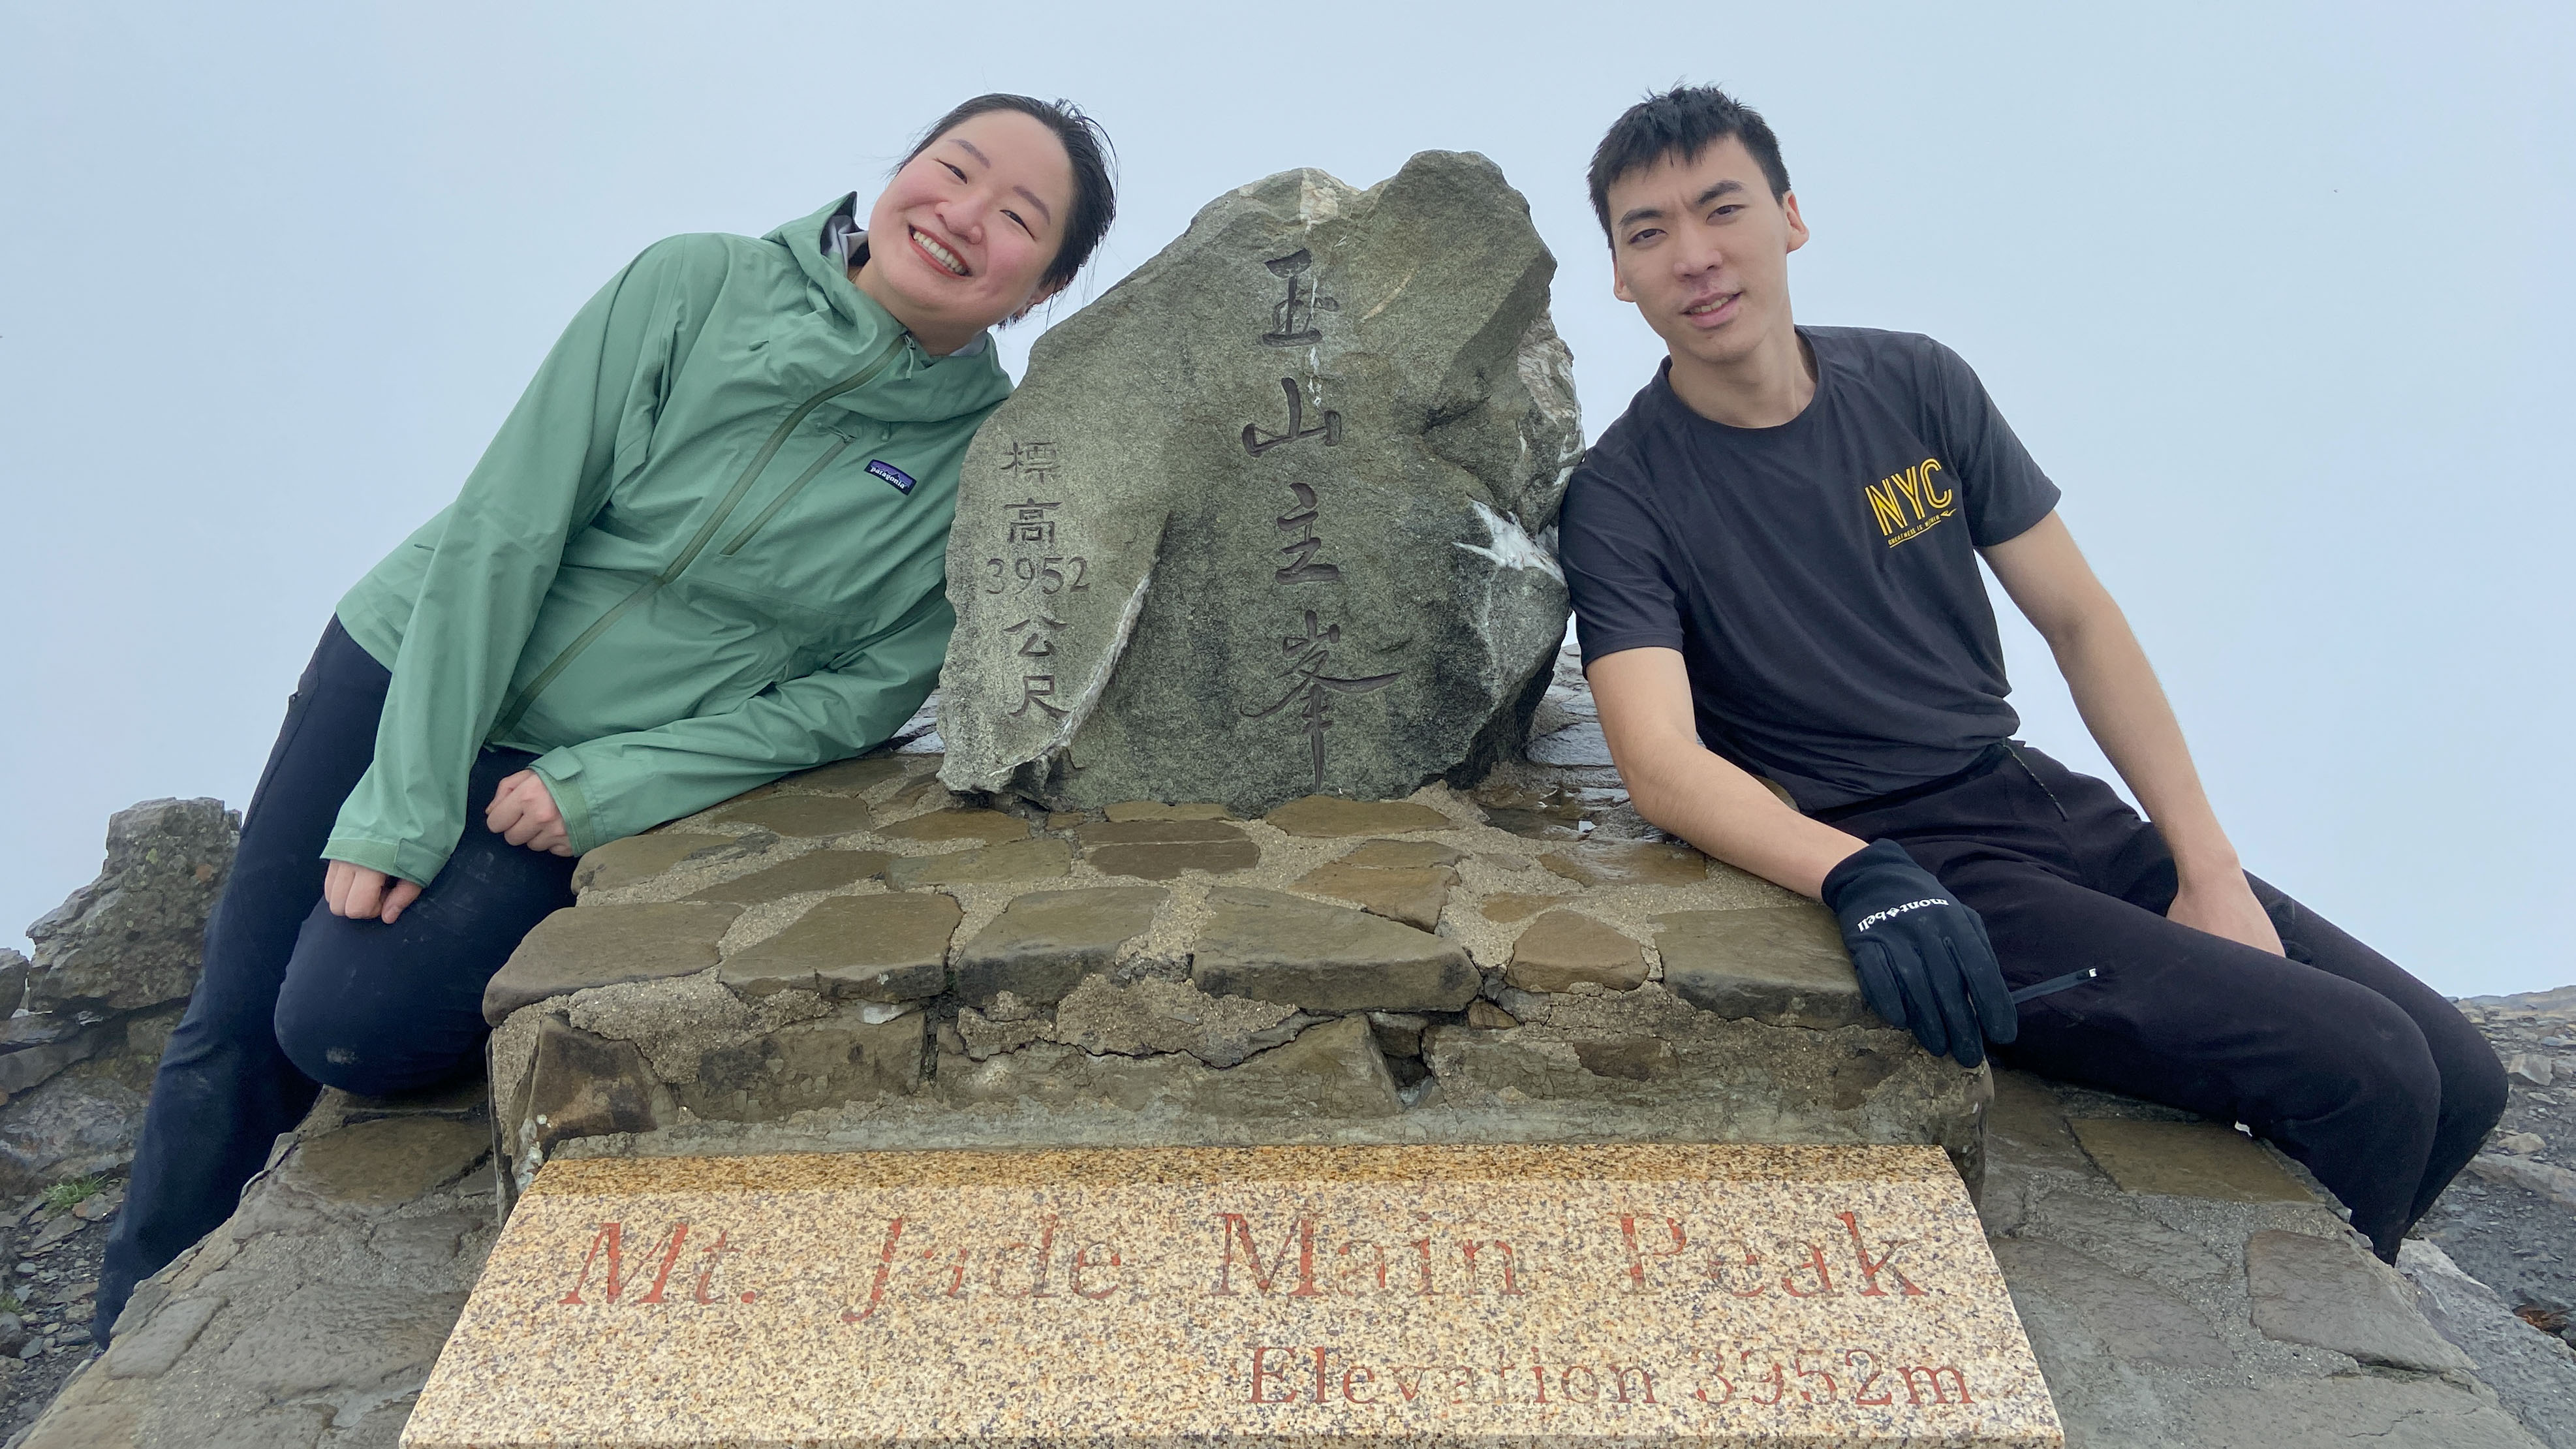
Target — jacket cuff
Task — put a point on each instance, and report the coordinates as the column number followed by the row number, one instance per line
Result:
column 561, row 770
column 400, row 859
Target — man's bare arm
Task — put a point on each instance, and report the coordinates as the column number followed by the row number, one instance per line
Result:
column 2115, row 690
column 1645, row 702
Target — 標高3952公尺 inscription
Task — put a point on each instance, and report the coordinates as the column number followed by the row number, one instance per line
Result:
column 1710, row 1294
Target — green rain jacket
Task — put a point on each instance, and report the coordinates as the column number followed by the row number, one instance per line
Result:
column 707, row 548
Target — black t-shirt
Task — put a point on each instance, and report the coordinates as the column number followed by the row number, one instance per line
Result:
column 1834, row 624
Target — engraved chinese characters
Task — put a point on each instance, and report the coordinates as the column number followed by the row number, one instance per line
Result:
column 1424, row 1295
column 1262, row 520
column 1032, row 571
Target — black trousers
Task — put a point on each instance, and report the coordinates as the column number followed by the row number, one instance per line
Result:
column 294, row 997
column 2350, row 1065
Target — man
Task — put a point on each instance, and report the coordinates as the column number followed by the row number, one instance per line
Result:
column 1773, row 556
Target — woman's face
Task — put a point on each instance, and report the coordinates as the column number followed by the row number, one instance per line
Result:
column 963, row 234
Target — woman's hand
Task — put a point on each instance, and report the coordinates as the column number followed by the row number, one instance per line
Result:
column 523, row 812
column 2226, row 909
column 357, row 893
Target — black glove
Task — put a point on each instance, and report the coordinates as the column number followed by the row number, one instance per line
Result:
column 1923, row 959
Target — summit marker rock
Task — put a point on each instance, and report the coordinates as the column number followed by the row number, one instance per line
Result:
column 1263, row 520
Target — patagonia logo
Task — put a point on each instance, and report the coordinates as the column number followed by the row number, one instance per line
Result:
column 901, row 480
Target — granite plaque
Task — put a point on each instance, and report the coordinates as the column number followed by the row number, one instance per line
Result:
column 1705, row 1295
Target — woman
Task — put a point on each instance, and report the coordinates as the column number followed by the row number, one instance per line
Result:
column 706, row 549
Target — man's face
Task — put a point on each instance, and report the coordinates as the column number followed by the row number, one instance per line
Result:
column 1702, row 250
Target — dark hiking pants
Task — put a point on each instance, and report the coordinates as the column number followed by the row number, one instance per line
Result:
column 294, row 997
column 2350, row 1065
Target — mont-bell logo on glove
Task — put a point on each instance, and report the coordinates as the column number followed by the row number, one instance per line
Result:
column 901, row 480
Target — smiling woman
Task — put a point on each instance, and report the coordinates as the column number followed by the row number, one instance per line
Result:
column 706, row 549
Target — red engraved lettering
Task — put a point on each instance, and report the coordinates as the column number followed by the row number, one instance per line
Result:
column 1779, row 1378
column 1637, row 1258
column 706, row 1275
column 1750, row 1266
column 607, row 1243
column 1319, row 1372
column 1824, row 1277
column 1039, row 1270
column 1884, row 1263
column 885, row 1270
column 1408, row 1379
column 1358, row 1377
column 1379, row 1253
column 1279, row 1375
column 1234, row 1229
column 1422, row 1250
column 957, row 1274
column 1726, row 1386
column 1590, row 1393
column 1862, row 1359
column 1511, row 1287
column 1461, row 1377
column 1538, row 1374
column 1619, row 1376
column 1084, row 1263
column 1932, row 1383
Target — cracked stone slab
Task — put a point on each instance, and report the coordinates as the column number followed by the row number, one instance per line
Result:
column 1276, row 947
column 1324, row 816
column 640, row 858
column 1413, row 895
column 848, row 777
column 815, row 870
column 1779, row 964
column 1400, row 855
column 1512, row 906
column 803, row 816
column 389, row 1160
column 987, row 865
column 598, row 945
column 2532, row 1373
column 1045, row 941
column 1161, row 847
column 2136, row 1321
column 580, row 1084
column 1562, row 949
column 830, row 1062
column 992, row 827
column 1155, row 1015
column 2331, row 1293
column 2185, row 1159
column 867, row 948
column 1600, row 863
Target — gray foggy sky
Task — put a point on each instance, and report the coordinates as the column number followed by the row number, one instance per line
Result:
column 2278, row 294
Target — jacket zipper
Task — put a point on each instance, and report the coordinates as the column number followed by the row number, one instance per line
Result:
column 517, row 707
column 783, row 499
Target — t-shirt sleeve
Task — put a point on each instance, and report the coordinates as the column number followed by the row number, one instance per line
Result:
column 1613, row 552
column 2006, row 490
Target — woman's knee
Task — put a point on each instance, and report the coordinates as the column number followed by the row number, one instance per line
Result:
column 360, row 1051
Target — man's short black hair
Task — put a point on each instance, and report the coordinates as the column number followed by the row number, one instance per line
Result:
column 1683, row 121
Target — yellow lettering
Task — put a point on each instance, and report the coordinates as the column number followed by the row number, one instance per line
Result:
column 1911, row 480
column 1883, row 506
column 1931, row 495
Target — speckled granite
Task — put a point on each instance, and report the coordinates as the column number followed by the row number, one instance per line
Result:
column 1613, row 1295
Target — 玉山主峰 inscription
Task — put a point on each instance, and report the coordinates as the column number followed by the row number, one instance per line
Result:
column 1307, row 680
column 1697, row 1295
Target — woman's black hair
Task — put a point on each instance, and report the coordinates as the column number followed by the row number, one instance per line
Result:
column 1086, row 145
